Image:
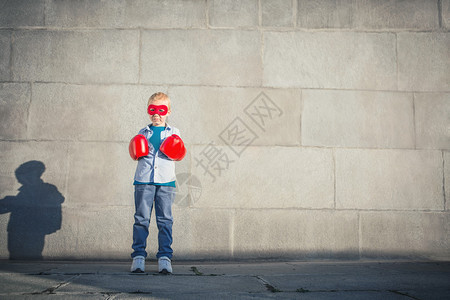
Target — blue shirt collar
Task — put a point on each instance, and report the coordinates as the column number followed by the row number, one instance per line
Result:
column 167, row 127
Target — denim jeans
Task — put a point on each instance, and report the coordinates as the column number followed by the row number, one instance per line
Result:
column 144, row 197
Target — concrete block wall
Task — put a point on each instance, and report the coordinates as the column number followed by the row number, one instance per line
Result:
column 315, row 129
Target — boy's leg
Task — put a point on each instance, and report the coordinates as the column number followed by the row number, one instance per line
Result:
column 163, row 210
column 143, row 201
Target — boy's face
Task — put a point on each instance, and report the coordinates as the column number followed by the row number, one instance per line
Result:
column 156, row 118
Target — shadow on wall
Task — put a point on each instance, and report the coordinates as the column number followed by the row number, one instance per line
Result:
column 35, row 212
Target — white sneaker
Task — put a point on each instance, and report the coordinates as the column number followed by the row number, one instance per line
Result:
column 164, row 265
column 138, row 265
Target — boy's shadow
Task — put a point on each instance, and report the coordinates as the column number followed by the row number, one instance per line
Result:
column 35, row 212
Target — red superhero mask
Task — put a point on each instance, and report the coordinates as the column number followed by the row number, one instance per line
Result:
column 157, row 109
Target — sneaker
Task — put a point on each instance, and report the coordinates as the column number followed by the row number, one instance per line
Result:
column 164, row 265
column 138, row 265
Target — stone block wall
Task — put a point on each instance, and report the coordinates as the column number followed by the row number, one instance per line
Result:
column 315, row 129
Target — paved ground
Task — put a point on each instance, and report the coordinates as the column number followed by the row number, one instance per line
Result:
column 249, row 280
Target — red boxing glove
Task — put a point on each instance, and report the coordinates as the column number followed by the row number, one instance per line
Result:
column 138, row 147
column 173, row 147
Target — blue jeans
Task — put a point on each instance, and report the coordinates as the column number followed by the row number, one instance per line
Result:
column 144, row 197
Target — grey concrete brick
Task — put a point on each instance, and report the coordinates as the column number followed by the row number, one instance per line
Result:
column 89, row 112
column 5, row 55
column 423, row 61
column 206, row 57
column 116, row 238
column 345, row 60
column 269, row 177
column 406, row 234
column 445, row 14
column 432, row 116
column 13, row 154
column 295, row 233
column 93, row 233
column 357, row 119
column 447, row 179
column 268, row 112
column 233, row 13
column 127, row 14
column 200, row 233
column 368, row 14
column 22, row 13
column 101, row 174
column 76, row 56
column 389, row 179
column 324, row 14
column 277, row 13
column 188, row 186
column 14, row 103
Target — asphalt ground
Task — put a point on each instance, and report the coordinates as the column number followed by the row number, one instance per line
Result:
column 226, row 280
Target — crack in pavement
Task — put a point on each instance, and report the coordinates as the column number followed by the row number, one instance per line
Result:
column 51, row 290
column 267, row 284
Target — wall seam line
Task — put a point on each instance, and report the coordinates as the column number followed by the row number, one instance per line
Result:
column 290, row 209
column 259, row 14
column 46, row 3
column 207, row 15
column 396, row 60
column 262, row 58
column 27, row 127
column 414, row 119
column 151, row 84
column 11, row 58
column 232, row 229
column 68, row 166
column 140, row 57
column 294, row 13
column 302, row 103
column 224, row 145
column 443, row 180
column 334, row 177
column 191, row 169
column 243, row 28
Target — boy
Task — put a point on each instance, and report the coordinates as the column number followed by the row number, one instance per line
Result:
column 154, row 182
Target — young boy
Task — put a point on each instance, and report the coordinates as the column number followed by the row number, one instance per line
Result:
column 154, row 182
